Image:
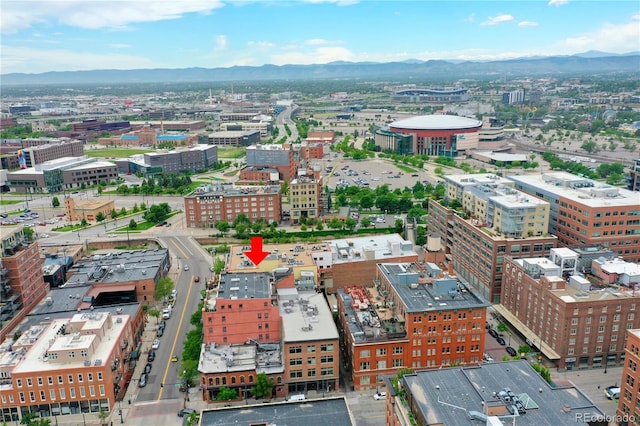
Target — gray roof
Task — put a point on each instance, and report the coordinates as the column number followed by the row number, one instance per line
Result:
column 312, row 412
column 114, row 268
column 438, row 295
column 437, row 122
column 245, row 286
column 446, row 396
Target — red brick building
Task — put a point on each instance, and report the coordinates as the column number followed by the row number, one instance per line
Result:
column 22, row 285
column 567, row 319
column 259, row 174
column 409, row 319
column 212, row 203
column 629, row 392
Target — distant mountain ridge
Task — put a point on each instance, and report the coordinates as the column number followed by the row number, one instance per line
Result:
column 587, row 63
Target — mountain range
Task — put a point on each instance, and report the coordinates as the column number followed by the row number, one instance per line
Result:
column 585, row 64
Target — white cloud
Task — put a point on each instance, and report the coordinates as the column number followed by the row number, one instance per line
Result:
column 321, row 55
column 21, row 14
column 221, row 42
column 613, row 38
column 261, row 44
column 495, row 20
column 527, row 24
column 27, row 60
column 316, row 42
column 557, row 2
column 119, row 46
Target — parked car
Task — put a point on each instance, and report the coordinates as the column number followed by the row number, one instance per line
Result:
column 186, row 267
column 155, row 344
column 379, row 395
column 501, row 341
column 151, row 356
column 511, row 351
column 612, row 392
column 160, row 332
column 147, row 368
column 185, row 412
column 487, row 358
column 493, row 333
column 162, row 324
column 143, row 380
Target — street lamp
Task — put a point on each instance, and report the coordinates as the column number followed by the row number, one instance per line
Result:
column 120, row 411
column 186, row 388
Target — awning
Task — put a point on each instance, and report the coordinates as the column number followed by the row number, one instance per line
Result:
column 134, row 355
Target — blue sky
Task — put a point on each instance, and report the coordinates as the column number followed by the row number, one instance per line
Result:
column 50, row 35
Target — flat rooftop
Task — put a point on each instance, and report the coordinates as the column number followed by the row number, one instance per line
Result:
column 244, row 286
column 447, row 396
column 421, row 294
column 311, row 412
column 477, row 179
column 305, row 316
column 117, row 267
column 371, row 247
column 49, row 337
column 580, row 190
column 506, row 196
column 263, row 357
column 570, row 294
column 230, row 190
column 281, row 256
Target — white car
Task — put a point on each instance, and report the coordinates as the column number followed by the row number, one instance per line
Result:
column 379, row 395
column 155, row 344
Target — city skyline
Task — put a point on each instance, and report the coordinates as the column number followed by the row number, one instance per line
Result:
column 42, row 36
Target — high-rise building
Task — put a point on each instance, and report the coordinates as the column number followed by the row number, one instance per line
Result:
column 22, row 285
column 585, row 212
column 482, row 220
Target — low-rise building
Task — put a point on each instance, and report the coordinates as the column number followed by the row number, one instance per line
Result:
column 66, row 367
column 353, row 261
column 209, row 204
column 120, row 277
column 279, row 157
column 62, row 173
column 89, row 210
column 235, row 138
column 259, row 174
column 409, row 319
column 563, row 315
column 491, row 394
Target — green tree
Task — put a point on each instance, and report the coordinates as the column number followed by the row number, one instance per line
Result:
column 222, row 226
column 133, row 224
column 114, row 214
column 590, row 146
column 100, row 189
column 192, row 345
column 365, row 221
column 55, row 202
column 28, row 233
column 264, row 386
column 218, row 266
column 164, row 286
column 103, row 415
column 226, row 394
column 350, row 224
column 84, row 223
column 100, row 217
column 189, row 371
column 155, row 313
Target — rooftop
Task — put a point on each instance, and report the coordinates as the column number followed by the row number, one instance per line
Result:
column 263, row 357
column 437, row 122
column 118, row 267
column 282, row 257
column 420, row 293
column 244, row 286
column 477, row 179
column 448, row 396
column 371, row 247
column 580, row 190
column 44, row 338
column 311, row 412
column 305, row 316
column 230, row 190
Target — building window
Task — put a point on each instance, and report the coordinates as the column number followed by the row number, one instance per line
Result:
column 364, row 353
column 326, row 348
column 295, row 349
column 311, row 349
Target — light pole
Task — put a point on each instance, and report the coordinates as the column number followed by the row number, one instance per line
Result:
column 186, row 388
column 120, row 411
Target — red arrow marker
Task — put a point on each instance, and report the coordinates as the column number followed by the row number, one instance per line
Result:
column 256, row 254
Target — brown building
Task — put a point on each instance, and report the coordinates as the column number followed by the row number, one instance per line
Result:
column 585, row 212
column 628, row 408
column 351, row 262
column 68, row 367
column 43, row 153
column 477, row 251
column 279, row 157
column 323, row 136
column 121, row 277
column 259, row 174
column 21, row 282
column 76, row 210
column 310, row 150
column 212, row 203
column 563, row 316
column 410, row 318
column 305, row 192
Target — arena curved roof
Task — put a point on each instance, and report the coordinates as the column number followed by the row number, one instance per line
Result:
column 437, row 122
